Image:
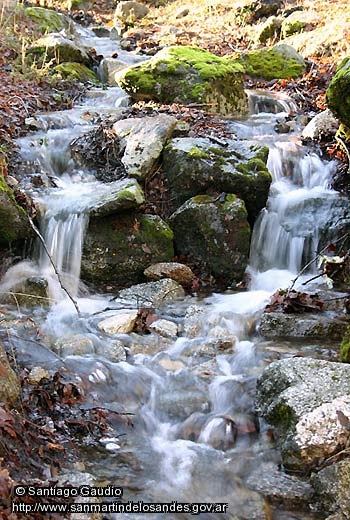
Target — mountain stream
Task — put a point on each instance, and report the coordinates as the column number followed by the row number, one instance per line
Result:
column 195, row 437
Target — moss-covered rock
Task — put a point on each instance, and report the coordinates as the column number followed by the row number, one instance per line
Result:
column 188, row 75
column 344, row 354
column 338, row 92
column 75, row 72
column 214, row 234
column 281, row 61
column 118, row 248
column 193, row 166
column 14, row 223
column 299, row 21
column 48, row 20
column 270, row 29
column 57, row 49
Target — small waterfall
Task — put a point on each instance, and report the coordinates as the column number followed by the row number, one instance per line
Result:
column 63, row 237
column 295, row 224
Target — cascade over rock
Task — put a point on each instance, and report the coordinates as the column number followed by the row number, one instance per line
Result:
column 185, row 74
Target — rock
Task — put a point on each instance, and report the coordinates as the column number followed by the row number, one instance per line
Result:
column 75, row 72
column 299, row 21
column 279, row 488
column 253, row 10
column 10, row 386
column 278, row 62
column 14, row 223
column 184, row 74
column 113, row 351
column 182, row 12
column 303, row 399
column 323, row 125
column 194, row 166
column 120, row 323
column 142, row 140
column 214, row 234
column 37, row 374
column 75, row 345
column 48, row 20
column 280, row 325
column 116, row 197
column 194, row 321
column 57, row 48
column 152, row 294
column 181, row 273
column 108, row 68
column 271, row 29
column 129, row 11
column 118, row 248
column 331, row 486
column 337, row 93
column 181, row 397
column 171, row 365
column 164, row 328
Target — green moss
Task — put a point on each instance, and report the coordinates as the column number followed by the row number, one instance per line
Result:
column 151, row 225
column 46, row 19
column 202, row 199
column 76, row 72
column 13, row 218
column 185, row 74
column 255, row 165
column 270, row 64
column 293, row 27
column 197, row 153
column 344, row 354
column 338, row 93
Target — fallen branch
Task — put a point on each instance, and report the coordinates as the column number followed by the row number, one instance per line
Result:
column 42, row 240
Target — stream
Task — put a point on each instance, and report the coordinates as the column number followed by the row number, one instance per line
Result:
column 195, row 437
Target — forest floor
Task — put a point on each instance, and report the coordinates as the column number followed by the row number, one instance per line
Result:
column 25, row 90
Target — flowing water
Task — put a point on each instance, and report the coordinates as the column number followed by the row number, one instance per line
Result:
column 195, row 437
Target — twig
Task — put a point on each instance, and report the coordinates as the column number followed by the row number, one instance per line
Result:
column 42, row 240
column 312, row 261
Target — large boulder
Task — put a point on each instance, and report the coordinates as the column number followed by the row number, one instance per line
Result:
column 142, row 139
column 195, row 166
column 48, row 20
column 118, row 248
column 14, row 223
column 186, row 74
column 214, row 234
column 56, row 48
column 306, row 400
column 338, row 92
column 278, row 62
column 75, row 72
